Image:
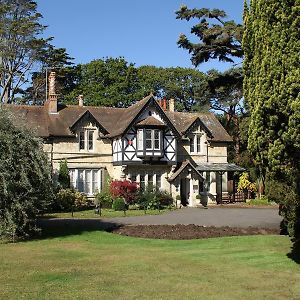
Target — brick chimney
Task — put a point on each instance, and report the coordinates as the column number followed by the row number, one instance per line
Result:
column 172, row 105
column 80, row 100
column 51, row 102
column 164, row 104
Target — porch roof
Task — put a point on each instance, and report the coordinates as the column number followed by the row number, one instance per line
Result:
column 184, row 165
column 225, row 167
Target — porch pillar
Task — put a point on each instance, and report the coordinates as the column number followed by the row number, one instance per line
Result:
column 191, row 202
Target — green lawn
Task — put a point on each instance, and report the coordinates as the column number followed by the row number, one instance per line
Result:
column 100, row 265
column 106, row 213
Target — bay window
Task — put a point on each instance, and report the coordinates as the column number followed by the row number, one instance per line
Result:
column 152, row 139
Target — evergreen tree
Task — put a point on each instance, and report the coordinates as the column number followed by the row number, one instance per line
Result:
column 271, row 88
column 63, row 175
column 25, row 179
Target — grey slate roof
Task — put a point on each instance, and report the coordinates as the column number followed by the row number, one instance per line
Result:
column 226, row 167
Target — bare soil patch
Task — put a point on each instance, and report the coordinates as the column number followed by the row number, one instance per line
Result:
column 188, row 232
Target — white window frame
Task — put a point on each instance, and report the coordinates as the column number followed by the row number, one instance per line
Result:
column 153, row 131
column 88, row 184
column 196, row 141
column 86, row 139
column 140, row 139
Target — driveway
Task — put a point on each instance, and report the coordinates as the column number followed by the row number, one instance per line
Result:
column 217, row 216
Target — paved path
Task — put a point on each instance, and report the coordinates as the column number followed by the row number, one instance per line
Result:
column 217, row 216
column 234, row 217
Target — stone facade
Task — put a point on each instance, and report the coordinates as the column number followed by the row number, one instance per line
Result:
column 184, row 154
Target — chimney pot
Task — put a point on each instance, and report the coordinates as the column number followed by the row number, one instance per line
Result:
column 172, row 105
column 164, row 104
column 80, row 100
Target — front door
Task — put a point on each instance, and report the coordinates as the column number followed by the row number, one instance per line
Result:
column 185, row 191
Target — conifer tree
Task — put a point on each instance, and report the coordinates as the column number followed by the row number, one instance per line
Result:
column 271, row 88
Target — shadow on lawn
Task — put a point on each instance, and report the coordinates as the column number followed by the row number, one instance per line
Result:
column 52, row 228
column 295, row 253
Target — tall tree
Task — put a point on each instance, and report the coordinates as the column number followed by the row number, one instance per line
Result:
column 182, row 84
column 25, row 178
column 56, row 59
column 218, row 38
column 107, row 82
column 272, row 84
column 20, row 44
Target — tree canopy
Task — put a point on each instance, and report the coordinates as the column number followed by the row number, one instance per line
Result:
column 271, row 87
column 218, row 38
column 20, row 44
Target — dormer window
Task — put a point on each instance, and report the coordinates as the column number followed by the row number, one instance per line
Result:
column 195, row 143
column 86, row 139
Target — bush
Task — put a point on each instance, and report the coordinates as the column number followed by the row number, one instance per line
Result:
column 103, row 199
column 154, row 199
column 119, row 204
column 70, row 199
column 26, row 185
column 164, row 198
column 126, row 189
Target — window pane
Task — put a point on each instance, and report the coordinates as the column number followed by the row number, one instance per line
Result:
column 88, row 186
column 72, row 178
column 156, row 139
column 148, row 144
column 148, row 139
column 81, row 140
column 140, row 139
column 148, row 134
column 192, row 143
column 133, row 177
column 90, row 139
column 80, row 181
column 198, row 143
column 95, row 181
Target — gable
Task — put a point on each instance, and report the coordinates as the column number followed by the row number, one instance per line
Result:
column 87, row 118
column 198, row 124
column 152, row 108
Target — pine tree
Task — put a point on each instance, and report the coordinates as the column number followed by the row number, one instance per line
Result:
column 271, row 88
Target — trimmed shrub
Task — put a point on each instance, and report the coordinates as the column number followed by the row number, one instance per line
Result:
column 119, row 204
column 126, row 189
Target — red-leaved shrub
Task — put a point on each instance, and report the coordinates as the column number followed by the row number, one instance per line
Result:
column 125, row 189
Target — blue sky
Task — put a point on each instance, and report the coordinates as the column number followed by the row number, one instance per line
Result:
column 144, row 32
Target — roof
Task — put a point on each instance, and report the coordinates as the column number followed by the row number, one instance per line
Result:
column 184, row 120
column 225, row 167
column 184, row 165
column 150, row 121
column 113, row 121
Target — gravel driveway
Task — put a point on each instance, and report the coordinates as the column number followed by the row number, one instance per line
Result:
column 217, row 216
